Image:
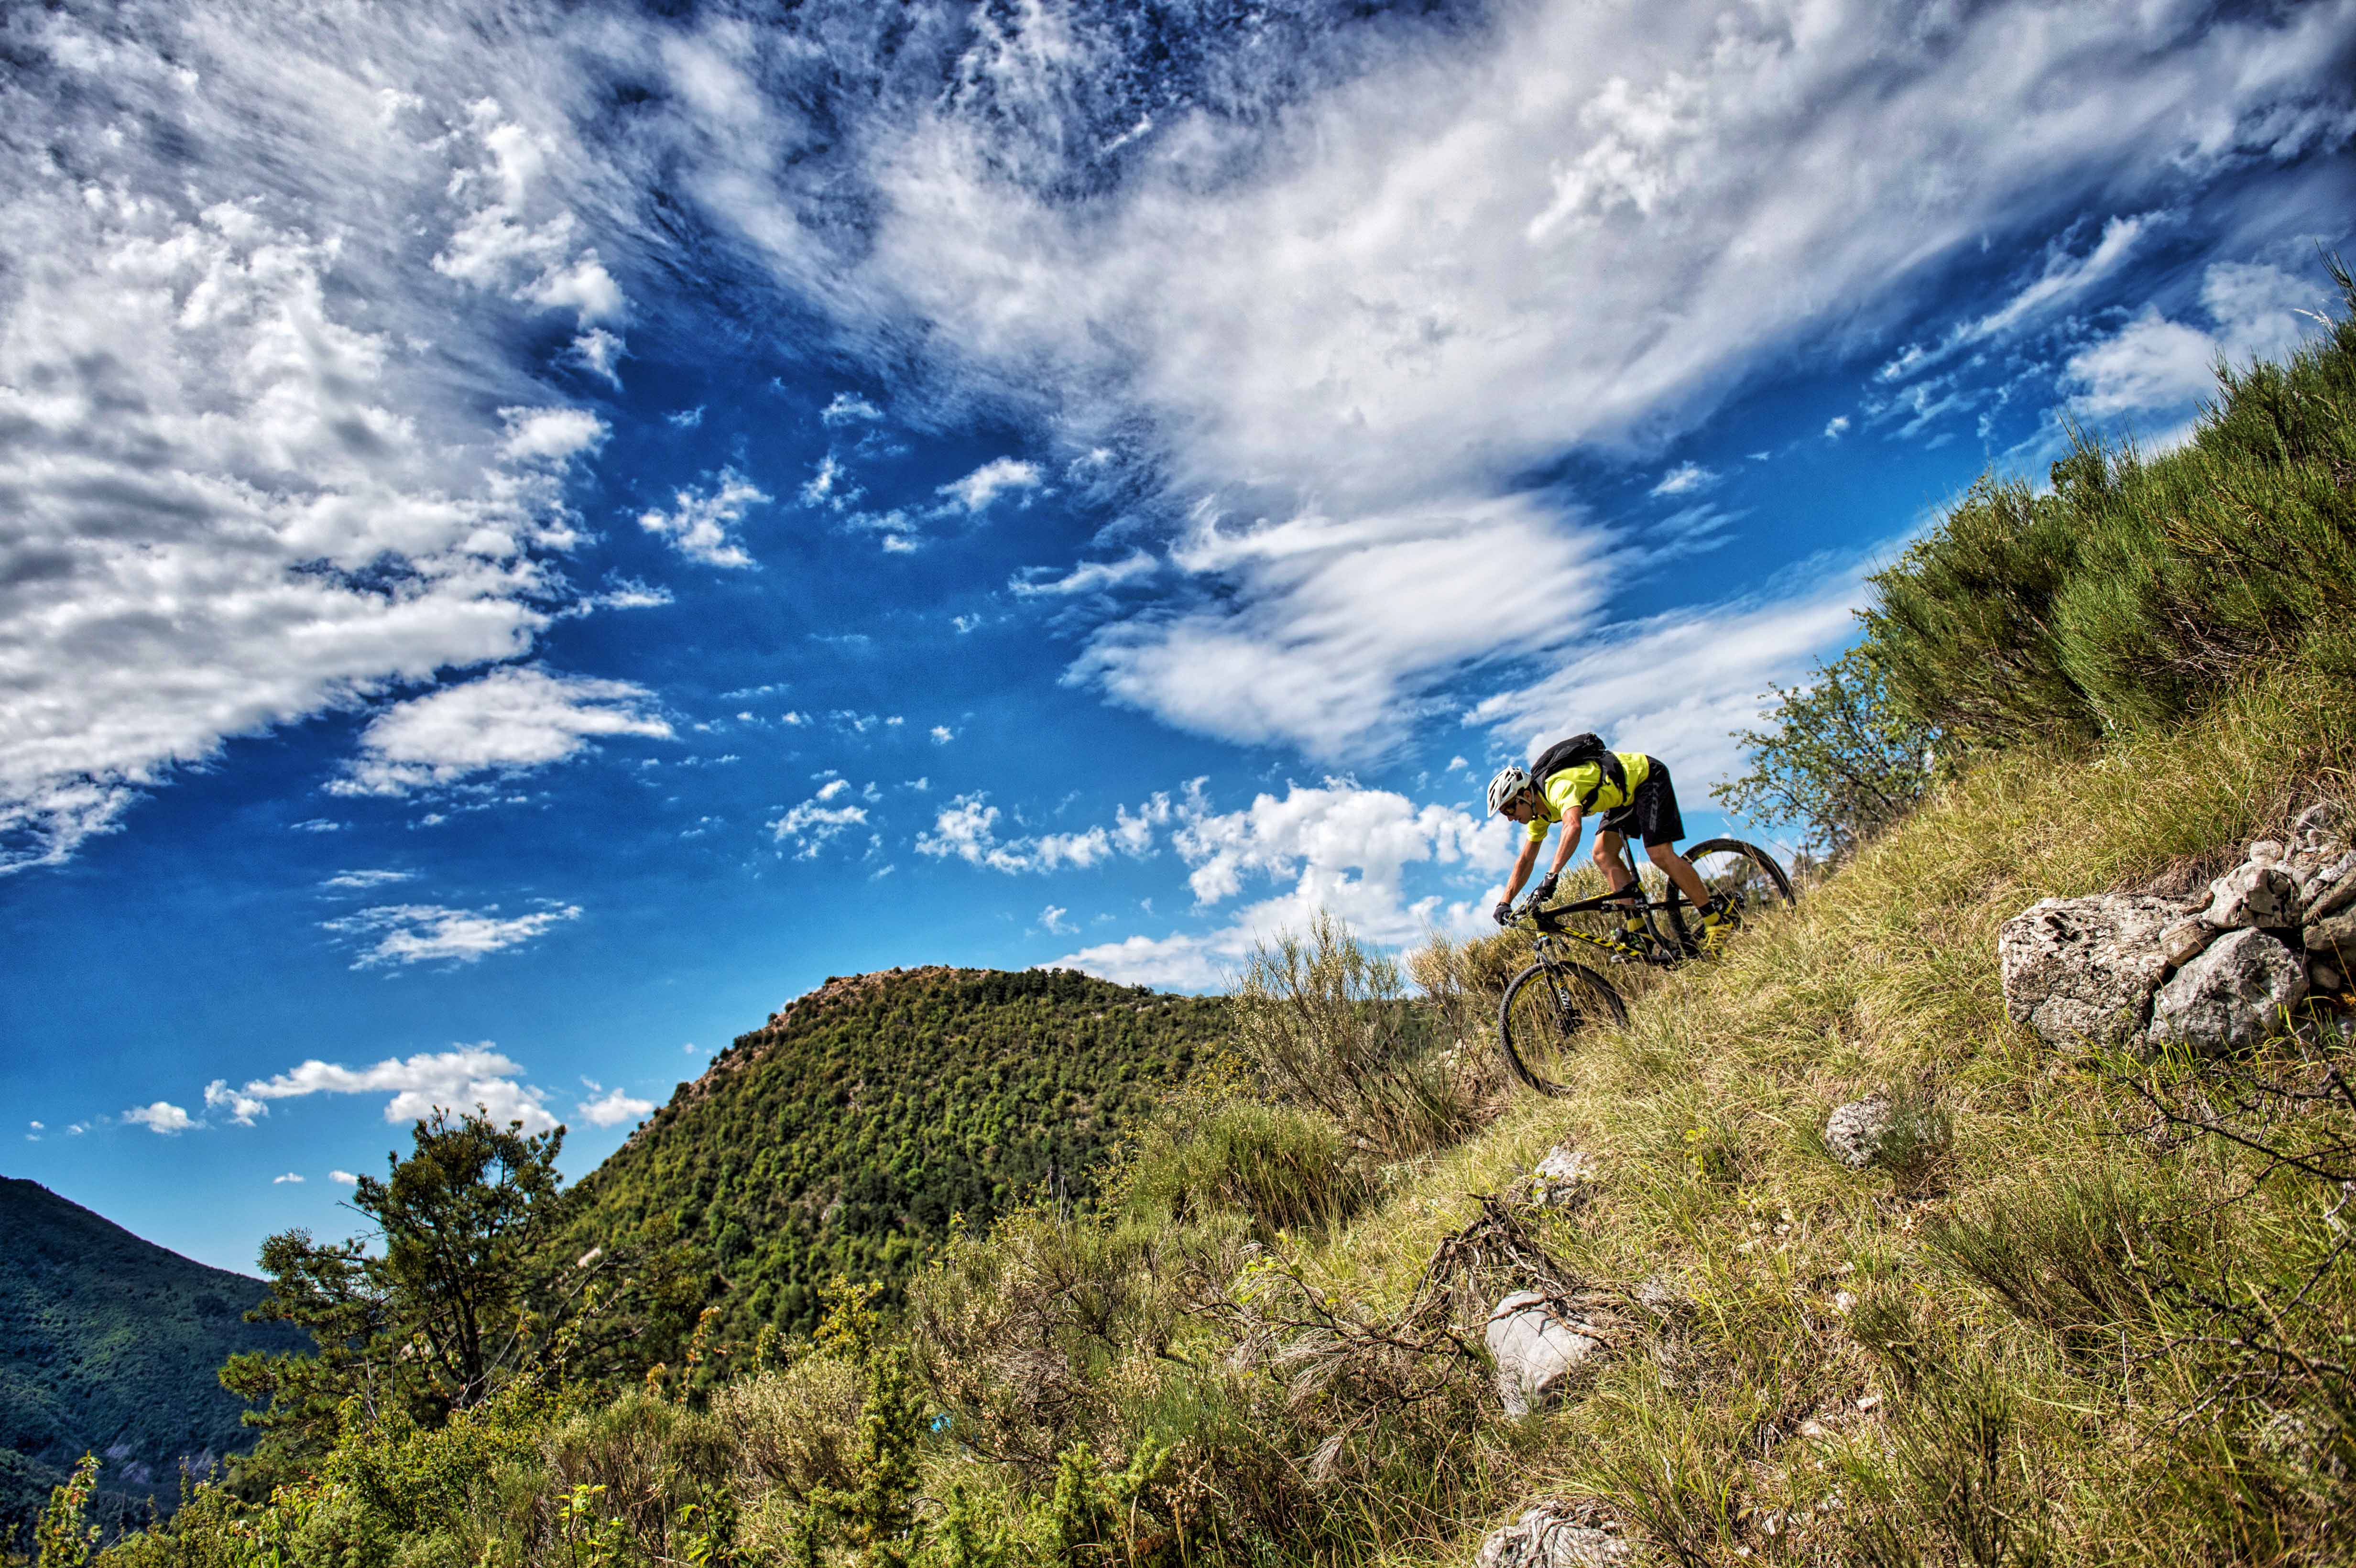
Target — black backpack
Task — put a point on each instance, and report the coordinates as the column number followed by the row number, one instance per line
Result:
column 1574, row 752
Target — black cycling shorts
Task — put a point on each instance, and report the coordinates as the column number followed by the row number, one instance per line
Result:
column 1650, row 813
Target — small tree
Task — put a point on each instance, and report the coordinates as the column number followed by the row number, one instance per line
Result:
column 478, row 1278
column 1838, row 758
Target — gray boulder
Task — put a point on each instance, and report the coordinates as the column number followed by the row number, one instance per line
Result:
column 2254, row 894
column 2333, row 888
column 1853, row 1132
column 2232, row 997
column 2079, row 969
column 1536, row 1351
column 1542, row 1538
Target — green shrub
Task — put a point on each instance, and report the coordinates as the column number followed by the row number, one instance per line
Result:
column 1282, row 1167
column 1837, row 758
column 1325, row 1022
column 2139, row 590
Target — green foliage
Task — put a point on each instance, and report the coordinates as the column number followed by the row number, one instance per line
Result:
column 2139, row 590
column 1217, row 1148
column 109, row 1343
column 852, row 1136
column 1837, row 758
column 62, row 1538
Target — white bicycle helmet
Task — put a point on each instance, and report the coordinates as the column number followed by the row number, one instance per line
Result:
column 1511, row 779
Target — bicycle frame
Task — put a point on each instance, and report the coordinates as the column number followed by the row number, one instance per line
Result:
column 1659, row 950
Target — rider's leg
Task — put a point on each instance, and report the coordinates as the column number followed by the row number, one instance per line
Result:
column 1679, row 870
column 1611, row 863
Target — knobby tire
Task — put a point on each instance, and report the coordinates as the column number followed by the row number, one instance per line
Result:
column 1730, row 866
column 1558, row 1003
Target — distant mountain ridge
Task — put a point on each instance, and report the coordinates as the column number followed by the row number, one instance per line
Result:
column 849, row 1132
column 109, row 1345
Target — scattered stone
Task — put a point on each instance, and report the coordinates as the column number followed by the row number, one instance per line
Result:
column 2266, row 852
column 1660, row 1299
column 2332, row 939
column 1536, row 1351
column 2254, row 895
column 1542, row 1538
column 2322, row 977
column 2078, row 969
column 1868, row 1402
column 2232, row 997
column 1854, row 1131
column 1557, row 1180
column 1814, row 1430
column 2183, row 942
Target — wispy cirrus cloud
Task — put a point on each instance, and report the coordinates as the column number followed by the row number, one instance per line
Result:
column 404, row 934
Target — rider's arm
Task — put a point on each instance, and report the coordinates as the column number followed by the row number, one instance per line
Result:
column 1528, row 858
column 1573, row 825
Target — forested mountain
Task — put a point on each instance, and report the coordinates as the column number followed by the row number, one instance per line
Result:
column 109, row 1345
column 851, row 1132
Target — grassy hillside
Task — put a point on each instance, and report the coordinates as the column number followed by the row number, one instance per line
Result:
column 848, row 1135
column 108, row 1345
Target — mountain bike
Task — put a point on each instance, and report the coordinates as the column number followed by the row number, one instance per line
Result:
column 1550, row 1004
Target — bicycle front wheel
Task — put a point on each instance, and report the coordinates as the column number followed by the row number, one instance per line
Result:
column 1744, row 874
column 1548, row 1011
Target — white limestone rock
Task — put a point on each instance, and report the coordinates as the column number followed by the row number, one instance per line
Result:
column 2183, row 942
column 2232, row 997
column 1542, row 1538
column 1536, row 1351
column 1854, row 1131
column 2082, row 969
column 2253, row 895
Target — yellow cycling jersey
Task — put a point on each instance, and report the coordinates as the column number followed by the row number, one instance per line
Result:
column 1569, row 787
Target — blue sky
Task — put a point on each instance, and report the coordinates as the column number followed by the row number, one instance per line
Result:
column 531, row 535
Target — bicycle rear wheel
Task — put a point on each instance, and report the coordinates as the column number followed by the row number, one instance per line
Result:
column 1547, row 1010
column 1744, row 874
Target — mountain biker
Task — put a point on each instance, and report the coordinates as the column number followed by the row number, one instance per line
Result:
column 1574, row 777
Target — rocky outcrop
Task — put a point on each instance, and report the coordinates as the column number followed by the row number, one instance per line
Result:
column 2084, row 969
column 1544, row 1538
column 1561, row 1179
column 2232, row 997
column 1536, row 1351
column 2119, row 968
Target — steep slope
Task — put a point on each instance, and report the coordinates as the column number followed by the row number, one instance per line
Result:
column 851, row 1133
column 108, row 1345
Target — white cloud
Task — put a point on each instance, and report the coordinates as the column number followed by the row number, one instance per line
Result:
column 430, row 933
column 508, row 722
column 1685, row 479
column 281, row 1180
column 998, row 476
column 614, row 1108
column 163, row 1116
column 1337, row 847
column 242, row 1108
column 600, row 353
column 455, row 1079
column 1678, row 684
column 942, row 734
column 364, row 879
column 849, row 408
column 685, row 418
column 967, row 829
column 2156, row 364
column 1090, row 577
column 1051, row 919
column 1836, row 427
column 552, row 435
column 816, row 822
column 343, row 1178
column 701, row 523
